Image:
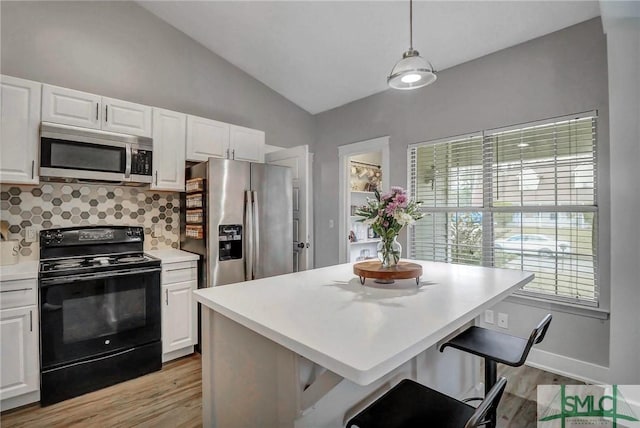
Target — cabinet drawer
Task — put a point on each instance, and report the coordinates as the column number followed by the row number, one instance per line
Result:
column 18, row 293
column 179, row 272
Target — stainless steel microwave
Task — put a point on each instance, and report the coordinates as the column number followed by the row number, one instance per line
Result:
column 72, row 153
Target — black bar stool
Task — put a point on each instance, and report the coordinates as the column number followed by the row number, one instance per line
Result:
column 410, row 404
column 496, row 347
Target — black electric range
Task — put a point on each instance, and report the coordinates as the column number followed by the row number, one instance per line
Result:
column 100, row 309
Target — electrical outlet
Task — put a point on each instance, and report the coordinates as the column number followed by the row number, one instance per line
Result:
column 488, row 316
column 503, row 320
column 30, row 234
column 156, row 230
column 331, row 224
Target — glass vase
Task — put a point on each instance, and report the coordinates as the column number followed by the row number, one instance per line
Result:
column 389, row 251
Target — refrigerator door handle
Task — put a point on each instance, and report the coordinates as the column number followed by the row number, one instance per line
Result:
column 256, row 233
column 248, row 236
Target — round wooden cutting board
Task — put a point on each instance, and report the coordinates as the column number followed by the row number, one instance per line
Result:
column 373, row 269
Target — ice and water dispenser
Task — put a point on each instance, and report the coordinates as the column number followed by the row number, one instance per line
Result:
column 230, row 242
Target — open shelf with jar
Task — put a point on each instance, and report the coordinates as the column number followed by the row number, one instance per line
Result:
column 195, row 208
column 365, row 177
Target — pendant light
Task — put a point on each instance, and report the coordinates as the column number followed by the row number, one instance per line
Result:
column 412, row 71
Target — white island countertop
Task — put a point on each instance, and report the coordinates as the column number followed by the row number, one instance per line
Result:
column 362, row 332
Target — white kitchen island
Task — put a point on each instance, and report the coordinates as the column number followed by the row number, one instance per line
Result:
column 260, row 336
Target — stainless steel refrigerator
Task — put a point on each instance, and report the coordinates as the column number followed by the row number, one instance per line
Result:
column 238, row 216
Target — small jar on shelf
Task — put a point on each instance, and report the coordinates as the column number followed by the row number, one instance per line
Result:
column 194, row 231
column 194, row 185
column 194, row 201
column 194, row 216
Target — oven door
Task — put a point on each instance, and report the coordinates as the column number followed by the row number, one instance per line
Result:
column 83, row 160
column 89, row 315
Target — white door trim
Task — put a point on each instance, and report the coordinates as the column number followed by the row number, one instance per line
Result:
column 380, row 144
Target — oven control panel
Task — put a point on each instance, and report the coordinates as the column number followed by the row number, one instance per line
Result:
column 50, row 237
column 96, row 235
column 91, row 235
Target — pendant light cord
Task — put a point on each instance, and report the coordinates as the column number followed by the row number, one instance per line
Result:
column 411, row 25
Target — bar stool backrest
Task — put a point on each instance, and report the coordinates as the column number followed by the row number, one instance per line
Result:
column 489, row 404
column 537, row 335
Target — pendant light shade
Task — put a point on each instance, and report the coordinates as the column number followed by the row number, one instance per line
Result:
column 412, row 71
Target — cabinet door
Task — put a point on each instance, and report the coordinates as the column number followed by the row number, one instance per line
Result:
column 19, row 371
column 179, row 313
column 71, row 107
column 125, row 117
column 246, row 144
column 19, row 130
column 169, row 139
column 206, row 138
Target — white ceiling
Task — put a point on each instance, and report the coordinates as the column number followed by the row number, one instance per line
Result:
column 323, row 54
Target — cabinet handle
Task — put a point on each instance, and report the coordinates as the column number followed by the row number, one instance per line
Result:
column 106, row 113
column 166, row 297
column 97, row 110
column 233, row 154
column 30, row 320
column 227, row 156
column 13, row 291
column 156, row 177
column 176, row 269
column 33, row 169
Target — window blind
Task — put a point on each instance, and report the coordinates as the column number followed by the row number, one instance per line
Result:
column 522, row 197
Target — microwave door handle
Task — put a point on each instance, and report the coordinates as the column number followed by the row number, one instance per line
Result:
column 127, row 171
column 248, row 236
column 256, row 233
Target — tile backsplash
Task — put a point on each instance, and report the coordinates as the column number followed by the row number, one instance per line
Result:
column 61, row 205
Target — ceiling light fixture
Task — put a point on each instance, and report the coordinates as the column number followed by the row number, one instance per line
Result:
column 412, row 71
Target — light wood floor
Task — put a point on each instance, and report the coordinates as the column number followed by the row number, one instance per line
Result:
column 517, row 408
column 172, row 398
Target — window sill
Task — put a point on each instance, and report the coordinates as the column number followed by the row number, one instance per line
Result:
column 586, row 311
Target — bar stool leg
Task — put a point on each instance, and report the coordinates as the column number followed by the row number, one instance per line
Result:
column 490, row 379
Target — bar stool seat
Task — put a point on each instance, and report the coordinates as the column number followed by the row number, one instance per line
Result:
column 496, row 347
column 410, row 404
column 500, row 347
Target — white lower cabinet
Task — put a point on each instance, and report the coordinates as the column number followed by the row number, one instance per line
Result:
column 19, row 344
column 178, row 320
column 179, row 310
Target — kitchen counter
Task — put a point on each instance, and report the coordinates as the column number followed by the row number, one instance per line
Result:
column 359, row 333
column 27, row 269
column 171, row 255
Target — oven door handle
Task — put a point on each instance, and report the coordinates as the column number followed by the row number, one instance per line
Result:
column 46, row 282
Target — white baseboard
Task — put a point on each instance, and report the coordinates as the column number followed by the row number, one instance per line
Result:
column 569, row 367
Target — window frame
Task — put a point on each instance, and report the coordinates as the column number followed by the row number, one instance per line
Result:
column 488, row 239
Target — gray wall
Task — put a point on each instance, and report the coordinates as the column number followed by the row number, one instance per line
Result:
column 120, row 50
column 561, row 73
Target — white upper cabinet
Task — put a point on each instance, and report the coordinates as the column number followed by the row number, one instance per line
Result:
column 206, row 138
column 246, row 144
column 169, row 139
column 19, row 130
column 125, row 117
column 71, row 107
column 209, row 138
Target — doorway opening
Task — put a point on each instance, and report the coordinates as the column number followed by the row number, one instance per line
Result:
column 364, row 169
